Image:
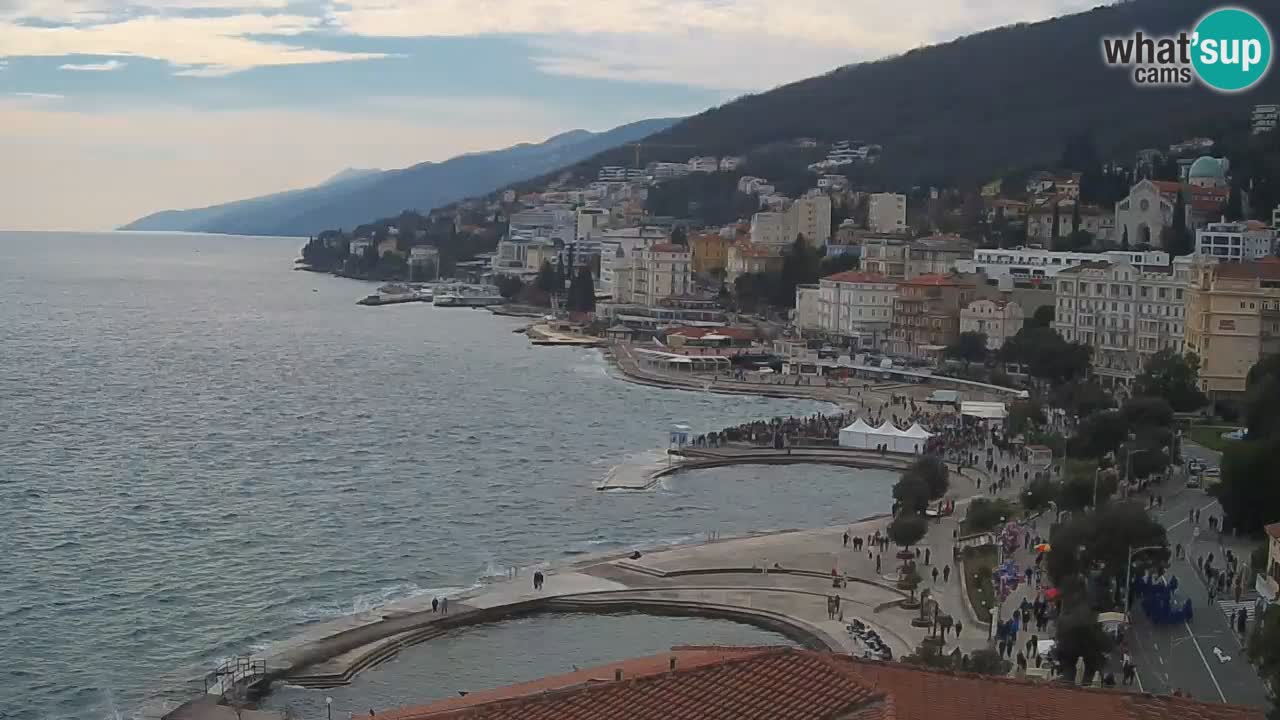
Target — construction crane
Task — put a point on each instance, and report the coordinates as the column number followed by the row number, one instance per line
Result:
column 638, row 145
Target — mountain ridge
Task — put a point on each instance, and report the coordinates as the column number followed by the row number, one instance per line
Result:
column 350, row 198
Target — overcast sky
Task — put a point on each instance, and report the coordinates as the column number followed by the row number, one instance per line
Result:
column 111, row 109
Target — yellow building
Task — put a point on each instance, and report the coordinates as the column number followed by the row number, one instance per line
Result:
column 710, row 251
column 1233, row 315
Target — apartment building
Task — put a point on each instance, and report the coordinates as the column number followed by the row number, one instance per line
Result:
column 887, row 212
column 744, row 258
column 810, row 217
column 769, row 229
column 709, row 251
column 926, row 314
column 858, row 306
column 704, row 164
column 1233, row 319
column 1035, row 264
column 618, row 249
column 1235, row 241
column 900, row 258
column 999, row 320
column 660, row 271
column 1125, row 313
column 806, row 316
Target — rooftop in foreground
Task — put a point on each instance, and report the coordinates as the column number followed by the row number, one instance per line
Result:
column 750, row 683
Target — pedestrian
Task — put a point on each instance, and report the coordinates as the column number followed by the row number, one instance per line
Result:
column 846, row 538
column 958, row 626
column 444, row 606
column 1022, row 663
column 831, row 608
column 946, row 573
column 1242, row 622
column 935, row 576
column 435, row 604
column 877, row 564
column 927, row 553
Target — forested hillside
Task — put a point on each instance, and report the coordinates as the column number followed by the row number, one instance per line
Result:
column 965, row 111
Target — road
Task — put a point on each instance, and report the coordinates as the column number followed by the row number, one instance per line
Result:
column 1204, row 657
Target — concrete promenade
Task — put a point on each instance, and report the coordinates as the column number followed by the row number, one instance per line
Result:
column 701, row 458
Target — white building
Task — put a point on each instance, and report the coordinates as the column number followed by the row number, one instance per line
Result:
column 705, row 164
column 999, row 320
column 612, row 173
column 811, row 217
column 591, row 221
column 618, row 249
column 660, row 271
column 667, row 170
column 857, row 305
column 1264, row 118
column 1142, row 216
column 807, row 317
column 1124, row 313
column 748, row 184
column 729, row 163
column 1023, row 265
column 1235, row 242
column 545, row 224
column 887, row 212
column 359, row 247
column 833, row 183
column 769, row 229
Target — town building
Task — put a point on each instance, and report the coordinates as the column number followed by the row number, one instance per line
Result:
column 1233, row 319
column 1092, row 220
column 1236, row 241
column 590, row 221
column 709, row 251
column 1143, row 216
column 667, row 170
column 1034, row 265
column 1126, row 314
column 1264, row 118
column 857, row 306
column 705, row 164
column 999, row 320
column 424, row 262
column 359, row 246
column 612, row 173
column 926, row 314
column 771, row 683
column 617, row 250
column 729, row 163
column 936, row 254
column 770, row 229
column 660, row 271
column 887, row 212
column 833, row 183
column 1268, row 582
column 548, row 223
column 885, row 254
column 810, row 217
column 806, row 316
column 744, row 258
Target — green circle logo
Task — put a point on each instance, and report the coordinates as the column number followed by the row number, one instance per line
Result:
column 1231, row 49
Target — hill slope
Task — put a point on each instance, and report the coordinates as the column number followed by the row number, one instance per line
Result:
column 350, row 199
column 964, row 111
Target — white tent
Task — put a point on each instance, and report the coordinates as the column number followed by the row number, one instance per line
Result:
column 856, row 435
column 912, row 440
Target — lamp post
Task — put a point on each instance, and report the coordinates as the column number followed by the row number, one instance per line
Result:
column 1128, row 573
column 328, row 704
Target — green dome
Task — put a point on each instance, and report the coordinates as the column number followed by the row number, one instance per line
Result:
column 1206, row 167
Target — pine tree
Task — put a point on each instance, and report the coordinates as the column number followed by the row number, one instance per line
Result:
column 1053, row 231
column 1234, row 209
column 1075, row 218
column 547, row 280
column 1124, row 239
column 1180, row 242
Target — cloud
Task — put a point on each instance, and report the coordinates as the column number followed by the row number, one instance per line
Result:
column 39, row 96
column 230, row 43
column 107, row 66
column 730, row 45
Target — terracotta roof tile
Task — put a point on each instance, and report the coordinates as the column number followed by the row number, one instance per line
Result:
column 923, row 694
column 669, row 248
column 857, row 276
column 934, row 280
column 774, row 683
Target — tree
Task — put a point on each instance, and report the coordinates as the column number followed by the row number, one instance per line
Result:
column 933, row 472
column 547, row 279
column 1263, row 397
column 1053, row 232
column 1082, row 398
column 1042, row 317
column 907, row 529
column 832, row 264
column 1175, row 378
column 1124, row 239
column 1078, row 491
column 679, row 236
column 1147, row 411
column 1080, row 636
column 1046, row 355
column 985, row 514
column 969, row 346
column 510, row 286
column 1099, row 434
column 1075, row 217
column 1024, row 415
column 911, row 494
column 1249, row 495
column 584, row 298
column 1234, row 209
column 1180, row 242
column 1101, row 540
column 1039, row 493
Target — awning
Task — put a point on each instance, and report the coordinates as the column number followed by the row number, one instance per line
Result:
column 984, row 410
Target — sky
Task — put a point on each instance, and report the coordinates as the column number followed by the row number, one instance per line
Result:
column 113, row 109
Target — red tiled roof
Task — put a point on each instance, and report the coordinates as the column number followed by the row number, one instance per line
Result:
column 934, row 280
column 769, row 684
column 1273, row 530
column 1168, row 187
column 857, row 276
column 1265, row 269
column 922, row 694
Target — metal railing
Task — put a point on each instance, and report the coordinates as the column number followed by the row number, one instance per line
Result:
column 234, row 675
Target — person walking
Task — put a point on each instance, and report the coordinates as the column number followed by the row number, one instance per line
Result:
column 935, row 576
column 444, row 606
column 946, row 573
column 435, row 604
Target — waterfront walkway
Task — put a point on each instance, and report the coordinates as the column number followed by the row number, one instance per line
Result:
column 645, row 477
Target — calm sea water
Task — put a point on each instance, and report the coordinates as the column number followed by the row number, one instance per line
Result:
column 202, row 450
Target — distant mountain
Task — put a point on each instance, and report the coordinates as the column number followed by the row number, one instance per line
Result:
column 351, row 174
column 964, row 111
column 353, row 197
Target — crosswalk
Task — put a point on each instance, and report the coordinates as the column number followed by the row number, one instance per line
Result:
column 1230, row 608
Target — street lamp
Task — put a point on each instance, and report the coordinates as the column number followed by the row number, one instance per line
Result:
column 328, row 704
column 1128, row 572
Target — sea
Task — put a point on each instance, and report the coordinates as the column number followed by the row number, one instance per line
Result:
column 202, row 450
